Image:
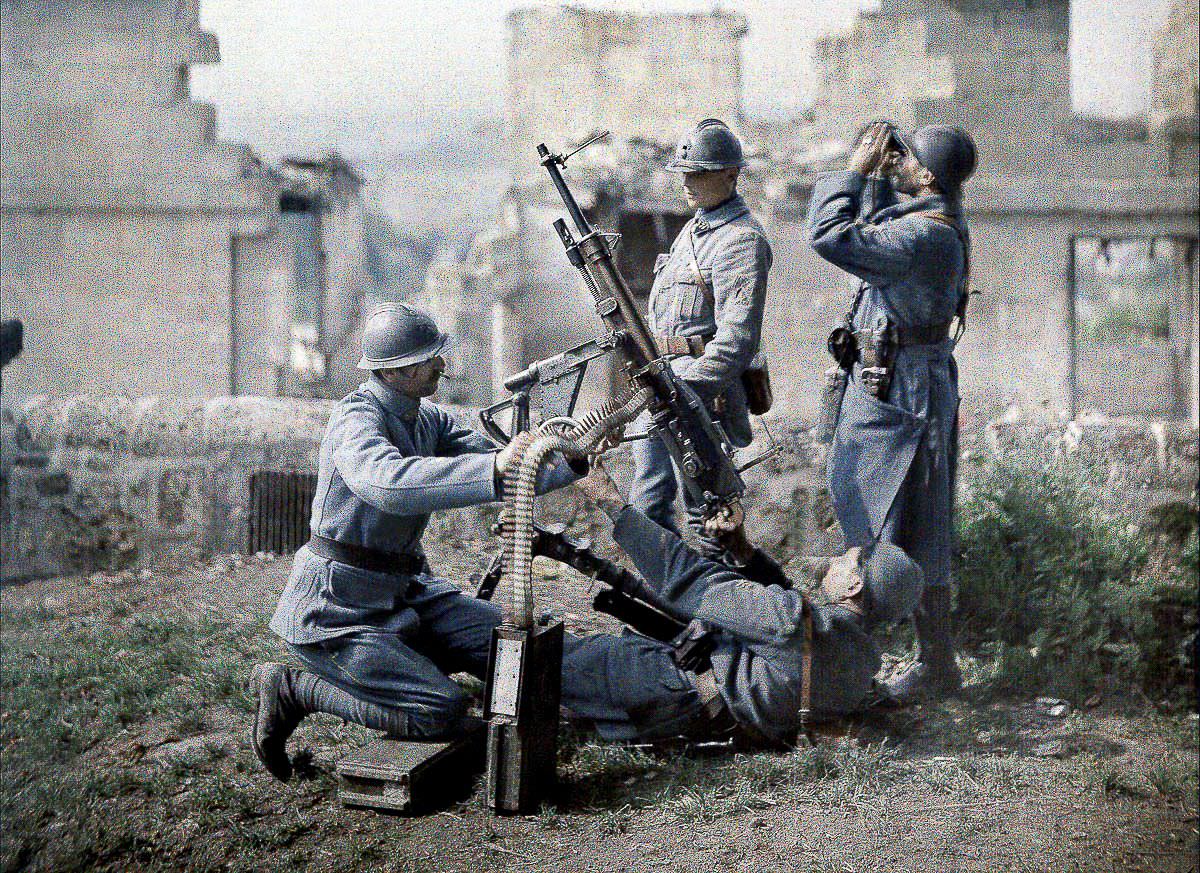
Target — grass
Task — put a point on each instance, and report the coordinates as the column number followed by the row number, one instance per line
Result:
column 122, row 730
column 695, row 787
column 73, row 686
column 1058, row 595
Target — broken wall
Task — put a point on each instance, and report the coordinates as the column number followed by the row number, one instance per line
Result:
column 107, row 483
column 574, row 71
column 131, row 239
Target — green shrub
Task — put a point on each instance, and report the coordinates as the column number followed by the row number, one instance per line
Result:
column 1051, row 587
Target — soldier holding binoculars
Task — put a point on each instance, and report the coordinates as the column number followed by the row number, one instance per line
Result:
column 894, row 428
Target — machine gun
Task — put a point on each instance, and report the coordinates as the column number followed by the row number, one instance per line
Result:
column 698, row 446
column 524, row 664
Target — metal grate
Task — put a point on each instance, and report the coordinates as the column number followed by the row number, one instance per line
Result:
column 280, row 506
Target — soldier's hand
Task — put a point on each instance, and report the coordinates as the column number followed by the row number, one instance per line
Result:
column 600, row 487
column 728, row 527
column 610, row 440
column 890, row 162
column 504, row 459
column 872, row 145
column 728, row 519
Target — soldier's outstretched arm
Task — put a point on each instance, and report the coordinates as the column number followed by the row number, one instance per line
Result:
column 379, row 474
column 454, row 439
column 875, row 253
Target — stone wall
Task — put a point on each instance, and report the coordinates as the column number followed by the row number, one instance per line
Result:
column 136, row 247
column 111, row 483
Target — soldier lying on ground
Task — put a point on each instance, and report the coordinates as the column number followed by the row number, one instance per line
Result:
column 376, row 631
column 632, row 688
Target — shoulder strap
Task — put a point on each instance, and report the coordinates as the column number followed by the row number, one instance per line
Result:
column 708, row 292
column 965, row 292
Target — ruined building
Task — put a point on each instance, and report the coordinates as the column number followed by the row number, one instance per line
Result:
column 323, row 225
column 1084, row 229
column 138, row 249
column 144, row 255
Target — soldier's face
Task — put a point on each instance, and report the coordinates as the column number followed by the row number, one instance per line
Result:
column 708, row 189
column 911, row 176
column 418, row 380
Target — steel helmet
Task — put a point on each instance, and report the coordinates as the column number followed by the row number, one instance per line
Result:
column 397, row 335
column 710, row 145
column 947, row 152
column 893, row 582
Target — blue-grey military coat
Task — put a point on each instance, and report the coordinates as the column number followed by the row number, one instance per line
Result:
column 386, row 462
column 893, row 462
column 760, row 632
column 734, row 258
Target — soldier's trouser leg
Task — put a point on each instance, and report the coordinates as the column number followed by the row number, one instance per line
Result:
column 381, row 668
column 934, row 672
column 455, row 628
column 654, row 485
column 629, row 687
column 284, row 696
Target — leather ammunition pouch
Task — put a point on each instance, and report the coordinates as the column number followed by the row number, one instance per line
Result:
column 689, row 346
column 756, row 381
column 756, row 378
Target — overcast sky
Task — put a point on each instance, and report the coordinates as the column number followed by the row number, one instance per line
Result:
column 376, row 76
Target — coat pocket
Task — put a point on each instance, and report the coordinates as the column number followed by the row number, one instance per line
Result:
column 690, row 300
column 361, row 588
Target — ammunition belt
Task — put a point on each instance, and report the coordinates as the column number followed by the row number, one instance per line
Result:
column 366, row 558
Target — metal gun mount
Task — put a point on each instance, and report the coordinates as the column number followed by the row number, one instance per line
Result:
column 551, row 385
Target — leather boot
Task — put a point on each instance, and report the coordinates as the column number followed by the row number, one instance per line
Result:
column 284, row 696
column 276, row 716
column 934, row 673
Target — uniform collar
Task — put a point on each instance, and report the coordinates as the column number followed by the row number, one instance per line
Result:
column 710, row 219
column 400, row 405
column 928, row 203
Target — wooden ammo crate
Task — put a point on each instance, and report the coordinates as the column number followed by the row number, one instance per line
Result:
column 403, row 776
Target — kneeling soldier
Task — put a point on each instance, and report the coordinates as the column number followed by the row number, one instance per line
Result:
column 777, row 655
column 376, row 631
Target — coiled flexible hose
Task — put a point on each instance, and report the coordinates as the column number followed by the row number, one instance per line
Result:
column 572, row 438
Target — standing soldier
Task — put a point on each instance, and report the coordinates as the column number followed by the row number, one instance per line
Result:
column 376, row 631
column 706, row 306
column 894, row 453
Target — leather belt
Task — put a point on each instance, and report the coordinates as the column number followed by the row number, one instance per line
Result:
column 366, row 558
column 692, row 346
column 921, row 335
